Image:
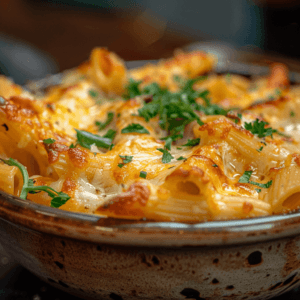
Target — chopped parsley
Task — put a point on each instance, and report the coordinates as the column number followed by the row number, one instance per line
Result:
column 110, row 134
column 167, row 156
column 58, row 198
column 72, row 146
column 258, row 190
column 87, row 139
column 292, row 113
column 245, row 178
column 174, row 110
column 133, row 89
column 259, row 150
column 215, row 166
column 193, row 142
column 93, row 93
column 168, row 143
column 143, row 174
column 49, row 141
column 181, row 158
column 126, row 159
column 135, row 128
column 258, row 127
column 102, row 125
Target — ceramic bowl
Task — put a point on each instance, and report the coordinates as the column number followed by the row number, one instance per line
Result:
column 97, row 258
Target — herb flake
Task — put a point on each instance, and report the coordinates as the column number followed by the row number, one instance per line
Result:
column 143, row 174
column 167, row 156
column 135, row 128
column 193, row 142
column 102, row 125
column 58, row 198
column 49, row 141
column 245, row 178
column 87, row 139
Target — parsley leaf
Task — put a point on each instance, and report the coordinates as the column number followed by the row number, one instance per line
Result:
column 258, row 190
column 93, row 93
column 181, row 158
column 167, row 156
column 143, row 174
column 133, row 89
column 215, row 165
column 245, row 178
column 259, row 150
column 292, row 113
column 168, row 143
column 174, row 110
column 193, row 142
column 49, row 141
column 110, row 134
column 258, row 127
column 262, row 185
column 87, row 139
column 126, row 159
column 136, row 128
column 58, row 198
column 102, row 125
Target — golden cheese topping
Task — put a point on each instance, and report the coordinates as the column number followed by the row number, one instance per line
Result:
column 169, row 142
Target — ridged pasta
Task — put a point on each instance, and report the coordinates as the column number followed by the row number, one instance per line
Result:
column 185, row 161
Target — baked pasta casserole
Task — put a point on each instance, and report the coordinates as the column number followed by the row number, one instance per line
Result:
column 171, row 141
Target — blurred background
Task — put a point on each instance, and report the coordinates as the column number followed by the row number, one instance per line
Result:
column 38, row 37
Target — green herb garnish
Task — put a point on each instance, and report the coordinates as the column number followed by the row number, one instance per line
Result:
column 259, row 150
column 87, row 139
column 174, row 110
column 215, row 166
column 193, row 142
column 133, row 89
column 258, row 127
column 93, row 93
column 49, row 141
column 110, row 134
column 245, row 178
column 58, row 198
column 168, row 143
column 126, row 159
column 258, row 190
column 135, row 128
column 167, row 156
column 292, row 113
column 102, row 125
column 181, row 158
column 143, row 174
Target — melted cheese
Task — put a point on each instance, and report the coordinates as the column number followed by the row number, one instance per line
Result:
column 204, row 185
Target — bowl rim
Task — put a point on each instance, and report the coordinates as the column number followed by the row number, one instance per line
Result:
column 99, row 229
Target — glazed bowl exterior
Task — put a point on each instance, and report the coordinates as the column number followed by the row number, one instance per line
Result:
column 97, row 258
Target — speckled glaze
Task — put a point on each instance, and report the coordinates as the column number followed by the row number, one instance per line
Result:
column 94, row 258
